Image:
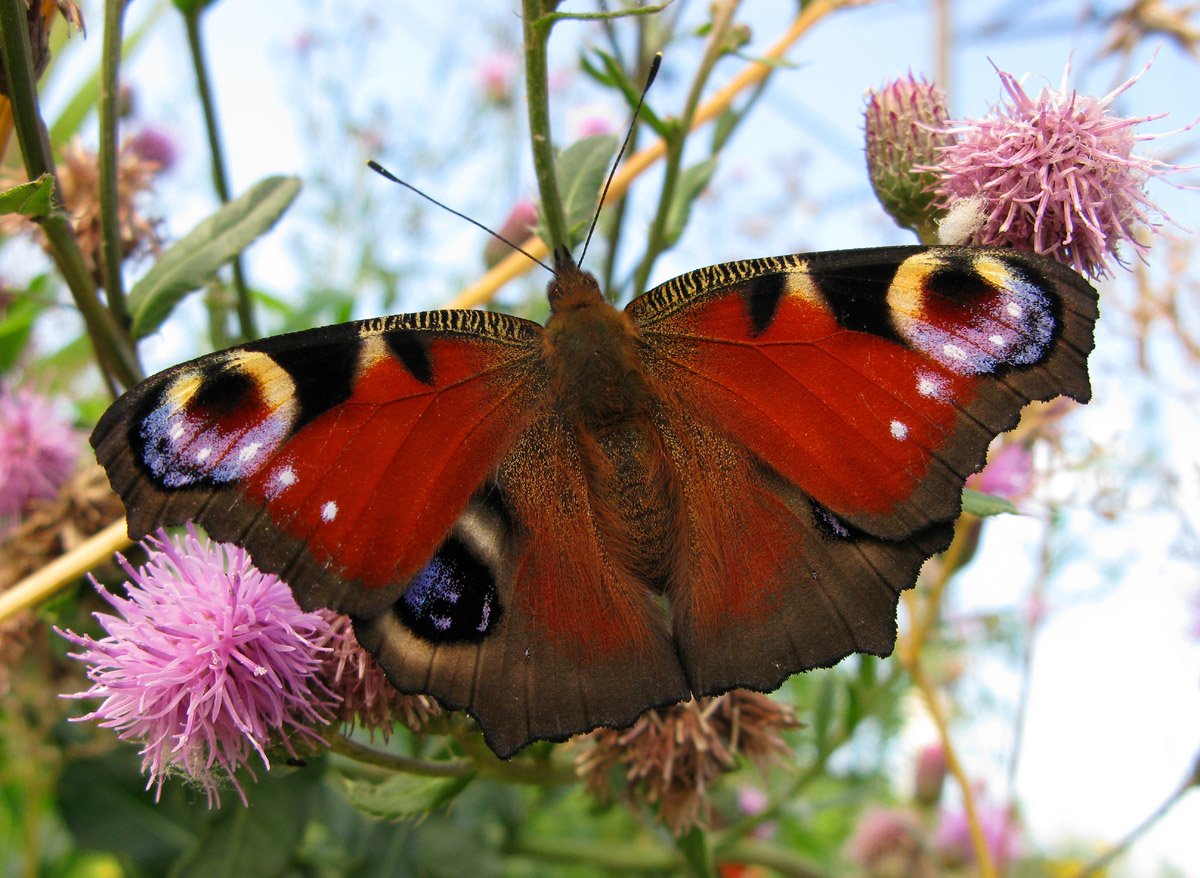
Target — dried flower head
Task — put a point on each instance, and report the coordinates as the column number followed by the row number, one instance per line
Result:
column 887, row 843
column 904, row 127
column 1056, row 175
column 80, row 178
column 38, row 451
column 670, row 758
column 209, row 661
column 368, row 700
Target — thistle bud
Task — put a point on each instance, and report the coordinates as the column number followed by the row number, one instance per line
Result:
column 905, row 128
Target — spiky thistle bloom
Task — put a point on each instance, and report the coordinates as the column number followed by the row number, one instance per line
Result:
column 38, row 452
column 1056, row 175
column 368, row 700
column 209, row 662
column 670, row 758
column 904, row 130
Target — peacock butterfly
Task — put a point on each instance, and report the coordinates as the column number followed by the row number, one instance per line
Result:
column 558, row 527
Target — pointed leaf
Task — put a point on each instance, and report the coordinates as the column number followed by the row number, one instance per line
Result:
column 978, row 503
column 194, row 259
column 403, row 795
column 582, row 169
column 34, row 199
column 691, row 183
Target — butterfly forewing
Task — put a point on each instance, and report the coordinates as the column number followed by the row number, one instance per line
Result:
column 872, row 380
column 339, row 457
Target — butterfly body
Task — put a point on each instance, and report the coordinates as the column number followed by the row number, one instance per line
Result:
column 557, row 527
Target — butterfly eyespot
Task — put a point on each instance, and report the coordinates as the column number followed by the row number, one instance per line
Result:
column 973, row 315
column 216, row 423
column 453, row 599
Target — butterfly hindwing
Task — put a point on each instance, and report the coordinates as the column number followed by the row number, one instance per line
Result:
column 339, row 457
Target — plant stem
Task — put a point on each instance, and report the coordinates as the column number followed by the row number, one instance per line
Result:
column 352, row 749
column 677, row 137
column 114, row 350
column 245, row 311
column 110, row 215
column 537, row 96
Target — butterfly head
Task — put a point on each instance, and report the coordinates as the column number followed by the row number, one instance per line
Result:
column 572, row 287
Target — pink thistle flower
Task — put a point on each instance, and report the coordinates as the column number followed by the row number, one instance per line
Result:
column 929, row 775
column 496, row 75
column 1001, row 833
column 368, row 700
column 155, row 146
column 1056, row 175
column 209, row 661
column 517, row 226
column 38, row 451
column 1008, row 474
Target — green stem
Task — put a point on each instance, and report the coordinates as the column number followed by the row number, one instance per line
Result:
column 114, row 350
column 110, row 216
column 514, row 770
column 245, row 309
column 774, row 857
column 677, row 137
column 352, row 749
column 537, row 96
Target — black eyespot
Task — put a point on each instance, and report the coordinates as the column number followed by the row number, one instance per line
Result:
column 454, row 599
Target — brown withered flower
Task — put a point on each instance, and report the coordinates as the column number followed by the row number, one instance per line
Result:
column 79, row 175
column 671, row 757
column 369, row 701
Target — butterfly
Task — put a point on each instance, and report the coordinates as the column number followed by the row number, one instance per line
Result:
column 559, row 527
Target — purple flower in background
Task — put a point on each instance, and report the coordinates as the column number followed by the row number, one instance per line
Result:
column 1056, row 175
column 929, row 774
column 38, row 451
column 952, row 838
column 517, row 226
column 1008, row 474
column 209, row 661
column 156, row 146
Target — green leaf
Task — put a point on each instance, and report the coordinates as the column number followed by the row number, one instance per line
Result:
column 260, row 839
column 582, row 170
column 106, row 807
column 691, row 183
column 193, row 7
column 18, row 322
column 34, row 199
column 978, row 503
column 694, row 847
column 193, row 260
column 403, row 796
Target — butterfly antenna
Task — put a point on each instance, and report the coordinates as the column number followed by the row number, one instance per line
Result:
column 385, row 173
column 654, row 65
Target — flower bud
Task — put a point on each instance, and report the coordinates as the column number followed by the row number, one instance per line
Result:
column 905, row 122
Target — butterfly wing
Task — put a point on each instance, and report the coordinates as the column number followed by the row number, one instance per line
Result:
column 828, row 408
column 338, row 457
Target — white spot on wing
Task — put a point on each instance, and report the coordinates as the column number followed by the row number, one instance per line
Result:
column 1013, row 309
column 329, row 511
column 286, row 477
column 954, row 352
column 997, row 340
column 899, row 430
column 176, row 431
column 203, row 454
column 249, row 451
